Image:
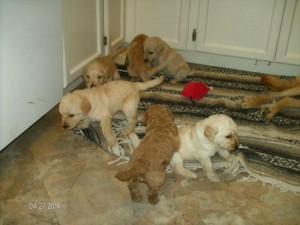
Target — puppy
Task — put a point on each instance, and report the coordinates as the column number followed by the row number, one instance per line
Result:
column 165, row 59
column 101, row 70
column 281, row 90
column 149, row 160
column 138, row 67
column 217, row 133
column 102, row 103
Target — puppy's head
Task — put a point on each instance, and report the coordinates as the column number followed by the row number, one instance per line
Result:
column 153, row 47
column 73, row 109
column 221, row 130
column 95, row 74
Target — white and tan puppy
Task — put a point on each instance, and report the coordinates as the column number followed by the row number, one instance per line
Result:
column 165, row 59
column 215, row 134
column 101, row 70
column 101, row 103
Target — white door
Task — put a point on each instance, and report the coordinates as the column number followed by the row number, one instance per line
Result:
column 288, row 50
column 167, row 19
column 31, row 42
column 242, row 28
column 114, row 23
column 83, row 35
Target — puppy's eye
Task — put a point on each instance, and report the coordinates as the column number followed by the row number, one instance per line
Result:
column 229, row 136
column 100, row 77
column 88, row 76
column 71, row 115
column 151, row 52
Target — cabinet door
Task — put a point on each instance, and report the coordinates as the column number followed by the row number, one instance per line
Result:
column 167, row 19
column 83, row 35
column 288, row 50
column 242, row 28
column 114, row 23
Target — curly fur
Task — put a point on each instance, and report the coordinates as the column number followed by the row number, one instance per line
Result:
column 149, row 160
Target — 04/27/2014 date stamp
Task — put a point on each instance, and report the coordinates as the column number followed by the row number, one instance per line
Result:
column 44, row 205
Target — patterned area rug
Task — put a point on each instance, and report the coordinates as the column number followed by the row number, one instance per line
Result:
column 268, row 151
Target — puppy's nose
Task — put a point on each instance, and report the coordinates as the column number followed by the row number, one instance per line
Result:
column 65, row 126
column 146, row 60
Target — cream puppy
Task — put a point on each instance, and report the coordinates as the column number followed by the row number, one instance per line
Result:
column 165, row 59
column 101, row 103
column 215, row 134
column 101, row 70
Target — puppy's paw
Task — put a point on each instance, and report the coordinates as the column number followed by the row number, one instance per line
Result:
column 269, row 111
column 111, row 141
column 173, row 81
column 248, row 103
column 115, row 150
column 191, row 175
column 213, row 177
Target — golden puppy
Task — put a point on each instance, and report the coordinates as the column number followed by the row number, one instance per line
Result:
column 101, row 70
column 201, row 141
column 138, row 67
column 283, row 91
column 165, row 59
column 102, row 103
column 149, row 160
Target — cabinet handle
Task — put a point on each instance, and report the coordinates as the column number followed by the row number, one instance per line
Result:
column 194, row 35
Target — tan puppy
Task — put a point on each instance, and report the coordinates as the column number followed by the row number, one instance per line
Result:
column 284, row 90
column 150, row 159
column 138, row 67
column 165, row 59
column 102, row 103
column 101, row 70
column 215, row 134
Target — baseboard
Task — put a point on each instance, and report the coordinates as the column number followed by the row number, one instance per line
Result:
column 240, row 63
column 74, row 85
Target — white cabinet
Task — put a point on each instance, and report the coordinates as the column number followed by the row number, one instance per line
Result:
column 288, row 50
column 167, row 19
column 241, row 28
column 256, row 35
column 87, row 25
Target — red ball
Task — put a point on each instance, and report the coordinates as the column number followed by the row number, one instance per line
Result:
column 195, row 90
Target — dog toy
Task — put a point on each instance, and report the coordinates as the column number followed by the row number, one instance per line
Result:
column 195, row 90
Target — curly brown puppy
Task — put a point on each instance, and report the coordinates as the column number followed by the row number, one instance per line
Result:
column 165, row 59
column 101, row 70
column 281, row 90
column 138, row 67
column 149, row 160
column 101, row 103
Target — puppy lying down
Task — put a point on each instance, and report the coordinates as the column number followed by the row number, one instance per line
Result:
column 215, row 134
column 152, row 155
column 101, row 70
column 101, row 103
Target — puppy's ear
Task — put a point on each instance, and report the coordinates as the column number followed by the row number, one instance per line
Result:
column 210, row 133
column 85, row 106
column 161, row 47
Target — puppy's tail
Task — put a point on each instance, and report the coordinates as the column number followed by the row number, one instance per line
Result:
column 116, row 52
column 149, row 84
column 132, row 173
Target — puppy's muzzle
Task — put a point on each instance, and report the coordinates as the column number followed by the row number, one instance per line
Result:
column 66, row 126
column 234, row 146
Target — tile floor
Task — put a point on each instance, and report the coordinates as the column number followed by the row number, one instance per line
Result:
column 52, row 176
